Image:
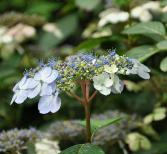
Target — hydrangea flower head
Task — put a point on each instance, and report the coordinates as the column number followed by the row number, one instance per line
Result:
column 48, row 80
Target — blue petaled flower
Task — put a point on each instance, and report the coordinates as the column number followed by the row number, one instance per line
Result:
column 97, row 65
column 112, row 53
column 139, row 69
column 26, row 88
column 41, row 63
column 52, row 62
column 49, row 103
column 48, row 79
column 43, row 84
column 87, row 57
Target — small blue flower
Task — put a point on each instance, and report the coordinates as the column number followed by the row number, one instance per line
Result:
column 87, row 57
column 105, row 62
column 73, row 65
column 97, row 65
column 59, row 77
column 41, row 63
column 129, row 60
column 52, row 62
column 112, row 53
column 26, row 73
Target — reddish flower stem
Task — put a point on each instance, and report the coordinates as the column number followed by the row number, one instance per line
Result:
column 88, row 123
column 92, row 96
column 85, row 101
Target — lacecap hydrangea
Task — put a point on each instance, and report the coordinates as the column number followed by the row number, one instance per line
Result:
column 48, row 80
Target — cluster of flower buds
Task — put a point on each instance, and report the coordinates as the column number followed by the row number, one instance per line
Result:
column 47, row 80
column 14, row 141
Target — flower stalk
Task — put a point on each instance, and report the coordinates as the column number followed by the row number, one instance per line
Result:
column 88, row 123
column 85, row 86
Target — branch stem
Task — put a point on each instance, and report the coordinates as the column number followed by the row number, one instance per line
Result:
column 88, row 123
column 85, row 86
column 85, row 101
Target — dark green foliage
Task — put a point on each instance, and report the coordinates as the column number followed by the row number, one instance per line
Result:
column 83, row 149
column 72, row 132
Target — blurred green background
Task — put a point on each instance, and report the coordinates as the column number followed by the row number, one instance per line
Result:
column 39, row 29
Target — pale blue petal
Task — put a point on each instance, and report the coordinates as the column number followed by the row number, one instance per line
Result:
column 131, row 71
column 22, row 81
column 16, row 87
column 145, row 68
column 37, row 76
column 113, row 90
column 46, row 89
column 13, row 99
column 29, row 84
column 32, row 83
column 121, row 86
column 52, row 77
column 53, row 86
column 143, row 74
column 45, row 73
column 21, row 96
column 56, row 104
column 117, row 87
column 34, row 92
column 44, row 104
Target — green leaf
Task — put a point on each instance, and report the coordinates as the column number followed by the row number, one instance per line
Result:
column 155, row 37
column 159, row 116
column 145, row 143
column 159, row 113
column 8, row 67
column 158, row 147
column 151, row 27
column 162, row 45
column 90, row 43
column 98, row 124
column 121, row 3
column 163, row 65
column 142, row 52
column 87, row 4
column 163, row 2
column 43, row 8
column 96, row 42
column 148, row 119
column 83, row 149
column 138, row 141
